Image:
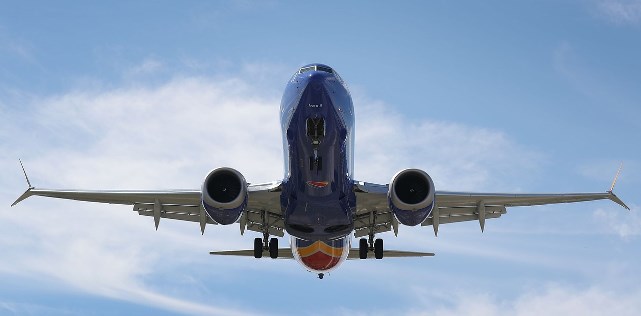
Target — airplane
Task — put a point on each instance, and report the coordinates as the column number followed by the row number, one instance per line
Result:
column 318, row 203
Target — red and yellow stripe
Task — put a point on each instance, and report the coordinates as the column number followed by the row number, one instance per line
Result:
column 320, row 256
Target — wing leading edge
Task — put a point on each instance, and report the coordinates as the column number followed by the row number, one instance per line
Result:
column 373, row 213
column 185, row 205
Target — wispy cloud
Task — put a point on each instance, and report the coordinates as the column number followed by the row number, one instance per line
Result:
column 14, row 46
column 554, row 299
column 627, row 225
column 621, row 12
column 458, row 157
column 170, row 135
column 148, row 67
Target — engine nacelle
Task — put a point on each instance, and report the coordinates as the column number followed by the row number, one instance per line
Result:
column 411, row 196
column 224, row 195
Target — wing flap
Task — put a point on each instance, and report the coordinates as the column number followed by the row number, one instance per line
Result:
column 458, row 218
column 373, row 215
column 182, row 205
column 177, row 215
column 472, row 199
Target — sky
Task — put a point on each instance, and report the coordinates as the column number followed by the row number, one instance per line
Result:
column 492, row 96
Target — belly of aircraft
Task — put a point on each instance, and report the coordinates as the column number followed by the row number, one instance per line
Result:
column 315, row 201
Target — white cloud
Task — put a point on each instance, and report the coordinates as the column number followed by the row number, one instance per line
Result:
column 554, row 299
column 621, row 11
column 550, row 299
column 148, row 66
column 169, row 136
column 457, row 157
column 625, row 224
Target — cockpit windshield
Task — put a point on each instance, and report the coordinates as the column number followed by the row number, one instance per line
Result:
column 319, row 67
column 316, row 68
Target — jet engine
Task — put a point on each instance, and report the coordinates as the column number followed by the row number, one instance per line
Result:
column 411, row 196
column 224, row 195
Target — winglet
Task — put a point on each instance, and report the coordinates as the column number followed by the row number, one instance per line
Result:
column 613, row 196
column 25, row 174
column 24, row 195
column 617, row 200
column 27, row 193
column 616, row 177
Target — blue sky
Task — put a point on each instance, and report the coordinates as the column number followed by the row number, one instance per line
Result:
column 528, row 96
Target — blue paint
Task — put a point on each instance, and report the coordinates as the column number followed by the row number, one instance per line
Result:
column 225, row 216
column 411, row 217
column 318, row 213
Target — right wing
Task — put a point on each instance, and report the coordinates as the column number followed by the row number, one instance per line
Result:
column 263, row 206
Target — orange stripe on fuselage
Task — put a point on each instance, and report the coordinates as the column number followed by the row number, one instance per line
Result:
column 320, row 246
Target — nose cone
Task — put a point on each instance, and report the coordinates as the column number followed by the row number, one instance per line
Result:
column 316, row 79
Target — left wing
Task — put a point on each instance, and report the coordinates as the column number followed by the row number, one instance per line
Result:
column 263, row 206
column 373, row 213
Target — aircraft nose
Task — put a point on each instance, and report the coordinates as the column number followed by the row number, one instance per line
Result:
column 316, row 79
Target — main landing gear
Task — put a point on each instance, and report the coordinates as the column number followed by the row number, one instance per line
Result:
column 367, row 245
column 266, row 244
column 270, row 245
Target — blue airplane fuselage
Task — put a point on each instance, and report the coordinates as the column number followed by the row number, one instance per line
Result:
column 317, row 120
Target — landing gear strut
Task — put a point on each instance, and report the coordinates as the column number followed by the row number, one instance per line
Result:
column 369, row 244
column 265, row 243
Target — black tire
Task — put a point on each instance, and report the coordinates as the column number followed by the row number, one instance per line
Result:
column 258, row 247
column 362, row 248
column 273, row 248
column 378, row 248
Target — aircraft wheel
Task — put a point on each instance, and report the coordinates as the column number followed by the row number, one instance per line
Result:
column 258, row 247
column 378, row 249
column 362, row 248
column 273, row 248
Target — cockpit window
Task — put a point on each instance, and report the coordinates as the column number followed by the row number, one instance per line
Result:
column 324, row 68
column 316, row 68
column 306, row 69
